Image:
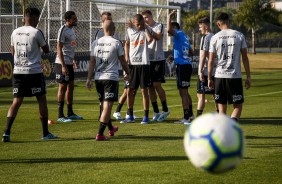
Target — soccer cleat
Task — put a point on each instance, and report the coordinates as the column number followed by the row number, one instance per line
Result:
column 130, row 119
column 74, row 116
column 101, row 138
column 50, row 136
column 145, row 120
column 112, row 132
column 6, row 138
column 156, row 116
column 117, row 116
column 191, row 118
column 163, row 116
column 64, row 120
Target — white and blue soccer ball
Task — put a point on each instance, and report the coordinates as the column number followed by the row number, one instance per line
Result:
column 214, row 143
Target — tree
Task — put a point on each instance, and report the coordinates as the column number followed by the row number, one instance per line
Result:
column 252, row 14
column 190, row 22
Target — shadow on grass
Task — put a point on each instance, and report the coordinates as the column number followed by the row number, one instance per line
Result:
column 96, row 159
column 262, row 121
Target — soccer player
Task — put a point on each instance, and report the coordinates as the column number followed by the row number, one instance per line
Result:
column 28, row 79
column 157, row 66
column 100, row 33
column 182, row 49
column 136, row 54
column 202, row 84
column 228, row 45
column 64, row 67
column 106, row 54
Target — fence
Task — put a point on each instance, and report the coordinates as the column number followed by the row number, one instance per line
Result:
column 88, row 12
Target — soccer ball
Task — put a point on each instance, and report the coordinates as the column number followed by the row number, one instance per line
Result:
column 214, row 143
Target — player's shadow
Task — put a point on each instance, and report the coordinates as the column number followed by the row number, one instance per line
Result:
column 97, row 159
column 262, row 121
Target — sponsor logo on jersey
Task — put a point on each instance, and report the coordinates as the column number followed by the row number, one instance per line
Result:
column 104, row 44
column 20, row 34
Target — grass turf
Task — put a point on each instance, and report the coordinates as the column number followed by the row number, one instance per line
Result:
column 142, row 153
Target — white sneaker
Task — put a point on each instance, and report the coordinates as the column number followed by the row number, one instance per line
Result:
column 181, row 121
column 163, row 116
column 117, row 116
column 156, row 116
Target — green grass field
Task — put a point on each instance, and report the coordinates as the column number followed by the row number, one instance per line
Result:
column 138, row 153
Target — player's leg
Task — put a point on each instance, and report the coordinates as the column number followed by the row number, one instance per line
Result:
column 236, row 92
column 11, row 116
column 43, row 114
column 62, row 88
column 200, row 96
column 152, row 91
column 69, row 94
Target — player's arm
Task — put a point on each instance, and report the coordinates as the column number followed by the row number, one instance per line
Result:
column 45, row 48
column 126, row 51
column 125, row 68
column 91, row 71
column 210, row 68
column 12, row 50
column 149, row 33
column 61, row 57
column 246, row 64
column 203, row 55
column 170, row 30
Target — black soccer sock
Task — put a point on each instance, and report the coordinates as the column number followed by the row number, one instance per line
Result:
column 102, row 128
column 235, row 119
column 199, row 112
column 165, row 108
column 155, row 107
column 70, row 111
column 130, row 112
column 44, row 122
column 10, row 121
column 61, row 109
column 190, row 110
column 146, row 113
column 186, row 114
column 110, row 125
column 119, row 106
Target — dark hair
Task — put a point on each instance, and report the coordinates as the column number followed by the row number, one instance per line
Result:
column 106, row 13
column 223, row 17
column 68, row 14
column 204, row 20
column 175, row 24
column 32, row 11
column 139, row 18
column 146, row 11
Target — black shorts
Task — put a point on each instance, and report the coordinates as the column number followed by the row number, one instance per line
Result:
column 107, row 90
column 228, row 90
column 140, row 76
column 202, row 87
column 27, row 85
column 157, row 71
column 60, row 78
column 183, row 75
